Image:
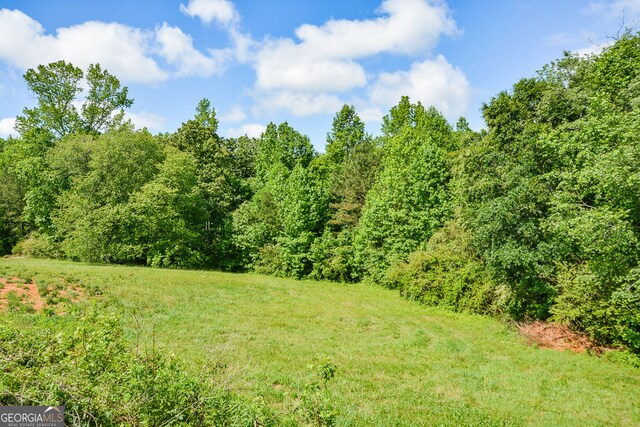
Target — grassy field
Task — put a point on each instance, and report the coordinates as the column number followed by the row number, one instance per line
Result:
column 397, row 363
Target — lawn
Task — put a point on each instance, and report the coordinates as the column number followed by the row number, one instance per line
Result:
column 397, row 363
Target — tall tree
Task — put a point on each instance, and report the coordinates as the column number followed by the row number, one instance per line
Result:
column 410, row 199
column 57, row 86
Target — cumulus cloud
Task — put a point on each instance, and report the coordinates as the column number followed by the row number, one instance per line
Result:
column 236, row 114
column 310, row 74
column 298, row 104
column 432, row 82
column 144, row 119
column 130, row 53
column 177, row 49
column 324, row 57
column 252, row 130
column 7, row 127
column 222, row 11
column 119, row 48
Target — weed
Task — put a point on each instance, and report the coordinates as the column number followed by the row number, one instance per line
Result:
column 315, row 403
column 15, row 303
column 43, row 288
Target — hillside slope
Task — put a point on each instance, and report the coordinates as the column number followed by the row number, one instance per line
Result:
column 397, row 363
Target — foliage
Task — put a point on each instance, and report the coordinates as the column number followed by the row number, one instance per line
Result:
column 549, row 194
column 410, row 198
column 447, row 273
column 93, row 372
column 608, row 312
column 281, row 145
column 12, row 191
column 223, row 168
column 275, row 229
column 57, row 85
column 315, row 401
column 37, row 246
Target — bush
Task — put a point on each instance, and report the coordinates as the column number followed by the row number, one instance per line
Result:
column 38, row 246
column 101, row 383
column 608, row 311
column 332, row 254
column 446, row 273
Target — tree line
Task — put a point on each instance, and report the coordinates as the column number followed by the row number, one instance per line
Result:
column 537, row 216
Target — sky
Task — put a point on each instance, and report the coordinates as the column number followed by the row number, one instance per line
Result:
column 261, row 61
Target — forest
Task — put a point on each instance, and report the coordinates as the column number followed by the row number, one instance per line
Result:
column 535, row 217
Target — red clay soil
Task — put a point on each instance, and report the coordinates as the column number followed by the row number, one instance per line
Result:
column 556, row 336
column 29, row 294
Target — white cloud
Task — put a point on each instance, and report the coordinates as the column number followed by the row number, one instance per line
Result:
column 252, row 130
column 7, row 127
column 144, row 119
column 120, row 49
column 615, row 9
column 286, row 65
column 593, row 48
column 371, row 114
column 324, row 58
column 244, row 46
column 304, row 76
column 222, row 11
column 177, row 49
column 432, row 82
column 130, row 53
column 236, row 114
column 298, row 104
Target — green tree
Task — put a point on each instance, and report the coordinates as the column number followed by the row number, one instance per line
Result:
column 224, row 167
column 549, row 193
column 347, row 133
column 410, row 199
column 89, row 219
column 276, row 228
column 352, row 161
column 57, row 86
column 12, row 191
column 283, row 145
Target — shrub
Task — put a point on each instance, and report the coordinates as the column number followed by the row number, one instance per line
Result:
column 37, row 246
column 332, row 254
column 607, row 310
column 93, row 373
column 446, row 273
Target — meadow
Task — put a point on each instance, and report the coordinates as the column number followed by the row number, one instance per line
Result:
column 396, row 362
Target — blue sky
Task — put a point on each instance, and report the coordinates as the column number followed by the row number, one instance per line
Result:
column 260, row 61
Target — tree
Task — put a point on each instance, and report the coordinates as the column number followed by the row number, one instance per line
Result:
column 283, row 145
column 12, row 191
column 105, row 101
column 351, row 162
column 224, row 167
column 410, row 199
column 276, row 227
column 57, row 86
column 90, row 218
column 347, row 133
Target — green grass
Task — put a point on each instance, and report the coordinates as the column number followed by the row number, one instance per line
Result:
column 398, row 363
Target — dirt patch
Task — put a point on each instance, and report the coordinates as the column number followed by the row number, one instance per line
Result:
column 21, row 296
column 557, row 337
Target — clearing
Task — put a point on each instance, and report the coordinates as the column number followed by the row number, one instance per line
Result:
column 398, row 363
